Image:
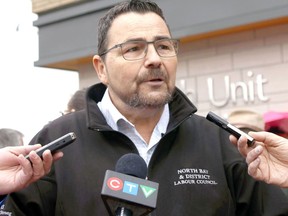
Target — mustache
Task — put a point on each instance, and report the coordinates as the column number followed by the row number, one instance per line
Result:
column 152, row 74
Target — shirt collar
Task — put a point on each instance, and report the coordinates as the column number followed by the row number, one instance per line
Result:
column 112, row 115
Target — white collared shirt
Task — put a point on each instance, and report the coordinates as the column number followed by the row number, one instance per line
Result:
column 118, row 122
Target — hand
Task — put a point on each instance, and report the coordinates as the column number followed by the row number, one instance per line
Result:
column 268, row 159
column 16, row 172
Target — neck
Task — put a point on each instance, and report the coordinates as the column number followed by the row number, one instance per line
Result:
column 144, row 120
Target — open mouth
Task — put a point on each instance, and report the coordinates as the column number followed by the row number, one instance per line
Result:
column 156, row 80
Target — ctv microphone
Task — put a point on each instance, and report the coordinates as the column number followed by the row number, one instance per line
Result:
column 126, row 192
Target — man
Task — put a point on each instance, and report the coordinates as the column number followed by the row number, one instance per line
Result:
column 138, row 109
column 268, row 159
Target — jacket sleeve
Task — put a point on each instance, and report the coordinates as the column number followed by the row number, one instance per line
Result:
column 36, row 200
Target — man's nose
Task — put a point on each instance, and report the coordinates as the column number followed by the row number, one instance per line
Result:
column 152, row 58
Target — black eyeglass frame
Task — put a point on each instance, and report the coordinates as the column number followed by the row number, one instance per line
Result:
column 174, row 41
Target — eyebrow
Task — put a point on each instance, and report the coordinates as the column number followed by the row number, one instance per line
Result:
column 142, row 39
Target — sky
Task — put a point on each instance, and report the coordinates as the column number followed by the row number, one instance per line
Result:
column 30, row 96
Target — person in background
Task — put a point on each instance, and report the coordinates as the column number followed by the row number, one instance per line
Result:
column 10, row 137
column 77, row 101
column 138, row 109
column 276, row 122
column 268, row 159
column 247, row 120
column 278, row 131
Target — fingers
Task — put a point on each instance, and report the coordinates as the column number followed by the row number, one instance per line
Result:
column 253, row 160
column 253, row 168
column 26, row 166
column 43, row 167
column 254, row 154
column 242, row 146
column 38, row 167
column 17, row 150
column 37, row 163
column 47, row 161
column 233, row 140
column 31, row 171
column 57, row 155
column 29, row 148
column 265, row 137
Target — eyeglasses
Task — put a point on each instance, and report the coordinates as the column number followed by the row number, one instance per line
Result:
column 135, row 50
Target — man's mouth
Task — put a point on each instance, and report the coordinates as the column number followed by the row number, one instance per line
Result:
column 156, row 80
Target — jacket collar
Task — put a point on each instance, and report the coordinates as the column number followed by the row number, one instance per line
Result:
column 180, row 108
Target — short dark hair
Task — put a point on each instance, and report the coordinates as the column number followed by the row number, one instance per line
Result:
column 138, row 6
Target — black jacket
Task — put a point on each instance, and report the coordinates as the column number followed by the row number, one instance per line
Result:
column 198, row 170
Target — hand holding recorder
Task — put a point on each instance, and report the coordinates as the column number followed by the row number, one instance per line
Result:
column 17, row 171
column 268, row 161
column 266, row 153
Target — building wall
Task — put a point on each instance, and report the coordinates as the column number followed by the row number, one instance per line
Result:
column 41, row 6
column 87, row 75
column 256, row 60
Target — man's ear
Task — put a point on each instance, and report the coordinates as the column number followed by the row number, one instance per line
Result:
column 100, row 69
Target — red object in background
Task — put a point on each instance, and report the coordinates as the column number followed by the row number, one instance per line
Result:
column 276, row 120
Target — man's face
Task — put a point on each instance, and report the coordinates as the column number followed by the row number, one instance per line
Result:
column 147, row 82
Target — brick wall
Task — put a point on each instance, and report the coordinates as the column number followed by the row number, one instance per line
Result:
column 257, row 60
column 40, row 6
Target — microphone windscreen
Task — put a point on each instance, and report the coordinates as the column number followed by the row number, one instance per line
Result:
column 132, row 164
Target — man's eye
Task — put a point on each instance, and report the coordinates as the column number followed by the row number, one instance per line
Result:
column 130, row 48
column 133, row 49
column 164, row 47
